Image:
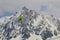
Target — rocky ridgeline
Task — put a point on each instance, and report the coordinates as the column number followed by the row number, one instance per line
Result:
column 31, row 23
column 13, row 27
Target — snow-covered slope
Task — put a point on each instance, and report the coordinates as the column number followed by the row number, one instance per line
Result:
column 33, row 26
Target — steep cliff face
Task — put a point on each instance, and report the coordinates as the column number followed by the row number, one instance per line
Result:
column 32, row 26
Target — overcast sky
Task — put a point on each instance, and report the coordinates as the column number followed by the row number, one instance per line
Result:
column 7, row 7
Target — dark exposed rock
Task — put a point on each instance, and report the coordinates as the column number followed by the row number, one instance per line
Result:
column 58, row 25
column 25, row 33
column 55, row 33
column 46, row 34
column 10, row 37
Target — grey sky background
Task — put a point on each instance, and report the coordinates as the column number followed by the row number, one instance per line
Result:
column 7, row 7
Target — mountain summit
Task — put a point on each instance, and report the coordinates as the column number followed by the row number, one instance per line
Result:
column 29, row 25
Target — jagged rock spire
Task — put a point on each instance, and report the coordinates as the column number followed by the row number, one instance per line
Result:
column 25, row 8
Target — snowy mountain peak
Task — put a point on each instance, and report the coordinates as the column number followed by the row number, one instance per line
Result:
column 32, row 26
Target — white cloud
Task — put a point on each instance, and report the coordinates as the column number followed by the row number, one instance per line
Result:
column 53, row 6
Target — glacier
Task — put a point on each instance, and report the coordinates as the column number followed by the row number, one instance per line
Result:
column 33, row 26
